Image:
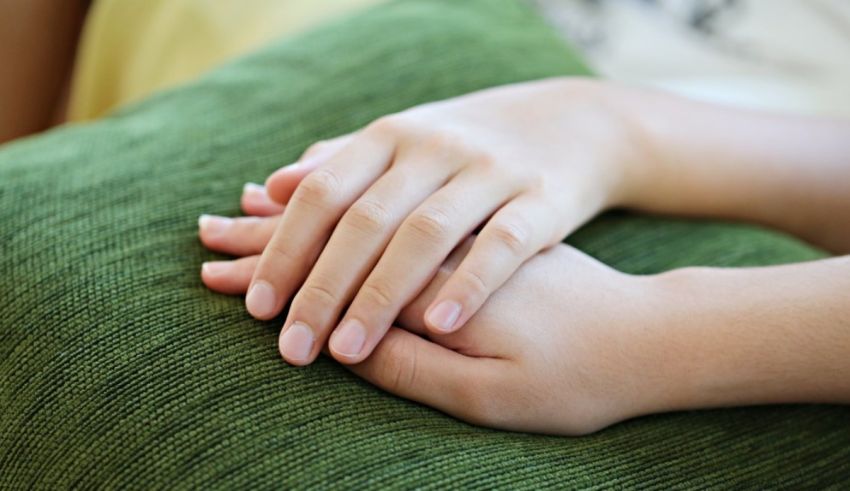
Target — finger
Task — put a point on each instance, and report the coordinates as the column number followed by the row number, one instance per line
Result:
column 283, row 182
column 414, row 368
column 352, row 251
column 412, row 316
column 422, row 243
column 314, row 209
column 255, row 201
column 516, row 232
column 229, row 277
column 242, row 236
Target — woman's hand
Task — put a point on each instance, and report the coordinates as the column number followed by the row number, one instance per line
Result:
column 380, row 210
column 568, row 345
column 528, row 360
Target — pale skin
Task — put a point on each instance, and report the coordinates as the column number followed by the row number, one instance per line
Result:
column 566, row 345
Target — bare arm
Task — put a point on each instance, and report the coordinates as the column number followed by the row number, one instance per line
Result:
column 753, row 335
column 37, row 44
column 567, row 345
column 776, row 334
column 783, row 171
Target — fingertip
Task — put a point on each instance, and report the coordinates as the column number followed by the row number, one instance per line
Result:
column 215, row 275
column 211, row 227
column 205, row 276
column 282, row 183
column 442, row 316
column 296, row 344
column 251, row 188
column 348, row 342
column 261, row 301
column 256, row 201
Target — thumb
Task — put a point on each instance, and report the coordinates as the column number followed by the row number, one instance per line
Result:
column 414, row 368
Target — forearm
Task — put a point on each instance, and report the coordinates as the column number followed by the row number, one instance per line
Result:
column 787, row 172
column 777, row 334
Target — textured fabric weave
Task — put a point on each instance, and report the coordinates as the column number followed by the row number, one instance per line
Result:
column 118, row 369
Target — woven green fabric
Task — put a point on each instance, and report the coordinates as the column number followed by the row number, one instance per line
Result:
column 118, row 369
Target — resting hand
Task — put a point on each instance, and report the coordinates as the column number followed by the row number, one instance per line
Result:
column 380, row 210
column 528, row 360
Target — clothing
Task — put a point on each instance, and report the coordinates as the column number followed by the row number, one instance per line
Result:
column 130, row 48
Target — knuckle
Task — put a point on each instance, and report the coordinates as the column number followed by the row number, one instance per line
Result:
column 430, row 223
column 378, row 294
column 368, row 216
column 536, row 182
column 473, row 282
column 390, row 125
column 281, row 251
column 403, row 370
column 442, row 142
column 314, row 149
column 513, row 234
column 315, row 293
column 484, row 161
column 319, row 188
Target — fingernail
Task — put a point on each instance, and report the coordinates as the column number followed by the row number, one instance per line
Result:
column 261, row 300
column 349, row 338
column 297, row 341
column 444, row 315
column 215, row 268
column 213, row 225
column 253, row 188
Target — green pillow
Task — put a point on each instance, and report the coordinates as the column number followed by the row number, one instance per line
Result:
column 118, row 369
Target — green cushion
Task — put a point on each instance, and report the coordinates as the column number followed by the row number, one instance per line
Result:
column 119, row 369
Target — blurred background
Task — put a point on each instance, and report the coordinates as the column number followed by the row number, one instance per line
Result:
column 76, row 60
column 787, row 55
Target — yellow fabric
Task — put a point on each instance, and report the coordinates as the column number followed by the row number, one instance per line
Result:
column 130, row 48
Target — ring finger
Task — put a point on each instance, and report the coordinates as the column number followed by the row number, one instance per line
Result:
column 353, row 249
column 421, row 244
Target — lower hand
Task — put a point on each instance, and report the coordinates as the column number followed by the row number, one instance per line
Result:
column 566, row 346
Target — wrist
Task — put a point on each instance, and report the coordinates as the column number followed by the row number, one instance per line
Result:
column 692, row 345
column 732, row 337
column 662, row 369
column 686, row 352
column 614, row 129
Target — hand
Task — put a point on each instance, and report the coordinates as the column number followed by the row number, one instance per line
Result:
column 380, row 210
column 528, row 360
column 566, row 346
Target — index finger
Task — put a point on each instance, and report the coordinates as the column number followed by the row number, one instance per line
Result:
column 311, row 214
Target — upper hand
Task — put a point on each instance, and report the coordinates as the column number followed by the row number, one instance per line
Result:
column 380, row 210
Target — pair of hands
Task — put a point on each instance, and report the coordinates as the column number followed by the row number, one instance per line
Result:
column 553, row 340
column 371, row 216
column 380, row 221
column 552, row 351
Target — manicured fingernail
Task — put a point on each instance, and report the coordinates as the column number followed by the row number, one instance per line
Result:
column 214, row 225
column 254, row 189
column 215, row 268
column 261, row 300
column 297, row 341
column 444, row 315
column 349, row 339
